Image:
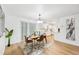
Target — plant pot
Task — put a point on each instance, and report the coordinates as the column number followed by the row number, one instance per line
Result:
column 8, row 43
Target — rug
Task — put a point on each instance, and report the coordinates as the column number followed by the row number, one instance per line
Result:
column 29, row 51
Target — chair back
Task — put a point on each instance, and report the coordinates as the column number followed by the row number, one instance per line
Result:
column 41, row 37
column 26, row 38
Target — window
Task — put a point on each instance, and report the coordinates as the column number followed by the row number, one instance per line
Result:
column 27, row 29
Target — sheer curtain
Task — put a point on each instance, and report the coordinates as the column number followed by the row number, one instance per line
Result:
column 28, row 29
column 2, row 21
column 32, row 28
column 24, row 29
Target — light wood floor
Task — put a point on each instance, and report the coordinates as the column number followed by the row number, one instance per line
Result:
column 57, row 48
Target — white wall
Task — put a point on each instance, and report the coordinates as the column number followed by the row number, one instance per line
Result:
column 12, row 22
column 2, row 45
column 2, row 34
column 62, row 35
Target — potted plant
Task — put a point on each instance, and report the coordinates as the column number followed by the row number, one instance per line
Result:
column 9, row 35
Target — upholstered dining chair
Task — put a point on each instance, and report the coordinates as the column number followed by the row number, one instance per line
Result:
column 45, row 38
column 27, row 41
column 40, row 40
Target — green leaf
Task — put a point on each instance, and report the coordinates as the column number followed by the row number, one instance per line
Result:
column 9, row 33
column 6, row 29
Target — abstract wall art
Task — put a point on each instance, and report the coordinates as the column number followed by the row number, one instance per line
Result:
column 70, row 29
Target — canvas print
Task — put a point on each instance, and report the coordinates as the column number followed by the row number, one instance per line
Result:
column 70, row 29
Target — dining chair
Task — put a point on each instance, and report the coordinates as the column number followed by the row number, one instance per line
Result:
column 45, row 38
column 27, row 41
column 40, row 40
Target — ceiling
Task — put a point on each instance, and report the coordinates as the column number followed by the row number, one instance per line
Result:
column 47, row 11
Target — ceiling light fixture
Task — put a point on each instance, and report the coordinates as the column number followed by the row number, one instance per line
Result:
column 39, row 20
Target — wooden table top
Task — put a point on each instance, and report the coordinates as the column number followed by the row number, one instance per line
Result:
column 34, row 36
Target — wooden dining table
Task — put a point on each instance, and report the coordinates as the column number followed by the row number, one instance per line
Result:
column 33, row 37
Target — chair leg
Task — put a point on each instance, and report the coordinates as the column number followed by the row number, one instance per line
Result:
column 43, row 43
column 32, row 46
column 26, row 44
column 38, row 45
column 46, row 40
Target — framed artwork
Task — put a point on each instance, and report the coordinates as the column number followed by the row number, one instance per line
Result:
column 70, row 29
column 2, row 21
